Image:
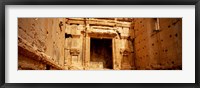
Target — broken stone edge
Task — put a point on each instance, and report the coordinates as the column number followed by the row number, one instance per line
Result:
column 25, row 48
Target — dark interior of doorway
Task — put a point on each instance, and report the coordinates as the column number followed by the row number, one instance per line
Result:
column 101, row 51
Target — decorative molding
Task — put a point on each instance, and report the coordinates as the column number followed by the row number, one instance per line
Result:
column 101, row 33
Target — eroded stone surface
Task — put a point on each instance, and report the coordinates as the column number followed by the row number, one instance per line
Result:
column 67, row 43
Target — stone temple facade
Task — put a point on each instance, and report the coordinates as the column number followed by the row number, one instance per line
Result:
column 99, row 43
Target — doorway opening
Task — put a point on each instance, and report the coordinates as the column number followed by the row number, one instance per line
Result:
column 101, row 51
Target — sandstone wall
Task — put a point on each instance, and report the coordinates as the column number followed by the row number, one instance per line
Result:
column 45, row 34
column 158, row 49
column 66, row 43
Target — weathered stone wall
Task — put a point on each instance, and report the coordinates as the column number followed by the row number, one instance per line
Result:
column 46, row 34
column 158, row 49
column 66, row 43
column 74, row 44
column 79, row 32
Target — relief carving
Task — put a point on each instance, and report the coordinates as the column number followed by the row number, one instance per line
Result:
column 74, row 52
column 124, row 52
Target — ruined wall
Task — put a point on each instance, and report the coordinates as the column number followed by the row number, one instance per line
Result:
column 44, row 34
column 122, row 52
column 78, row 34
column 158, row 49
column 66, row 43
column 74, row 44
